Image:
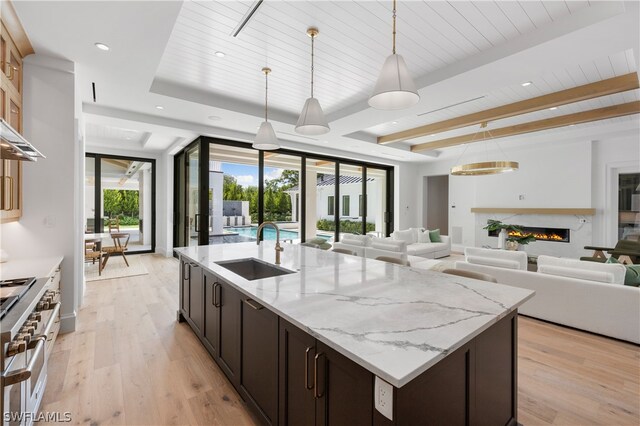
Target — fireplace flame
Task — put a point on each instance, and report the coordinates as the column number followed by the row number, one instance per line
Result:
column 538, row 236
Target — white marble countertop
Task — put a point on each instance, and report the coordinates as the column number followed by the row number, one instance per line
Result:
column 394, row 321
column 41, row 267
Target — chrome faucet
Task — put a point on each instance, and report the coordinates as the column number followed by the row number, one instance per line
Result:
column 278, row 247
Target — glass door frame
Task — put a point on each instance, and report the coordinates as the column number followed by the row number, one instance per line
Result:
column 205, row 143
column 98, row 192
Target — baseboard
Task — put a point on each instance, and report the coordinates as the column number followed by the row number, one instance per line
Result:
column 68, row 323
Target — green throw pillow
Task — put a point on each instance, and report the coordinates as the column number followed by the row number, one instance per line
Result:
column 631, row 276
column 434, row 236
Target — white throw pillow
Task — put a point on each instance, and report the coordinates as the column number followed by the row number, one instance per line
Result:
column 356, row 240
column 417, row 232
column 492, row 261
column 580, row 274
column 424, row 238
column 408, row 236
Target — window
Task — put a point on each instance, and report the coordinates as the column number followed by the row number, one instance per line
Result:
column 345, row 205
column 360, row 205
column 330, row 204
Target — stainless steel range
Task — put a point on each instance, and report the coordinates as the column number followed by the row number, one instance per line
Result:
column 29, row 324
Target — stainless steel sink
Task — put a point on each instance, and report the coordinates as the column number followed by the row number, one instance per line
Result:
column 253, row 269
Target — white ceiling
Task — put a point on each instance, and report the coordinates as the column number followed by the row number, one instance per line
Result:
column 162, row 53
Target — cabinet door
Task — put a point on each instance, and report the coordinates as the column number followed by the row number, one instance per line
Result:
column 259, row 372
column 496, row 386
column 297, row 350
column 211, row 331
column 196, row 293
column 344, row 390
column 184, row 288
column 229, row 350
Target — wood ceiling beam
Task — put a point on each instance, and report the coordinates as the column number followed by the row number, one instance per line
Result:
column 534, row 126
column 606, row 87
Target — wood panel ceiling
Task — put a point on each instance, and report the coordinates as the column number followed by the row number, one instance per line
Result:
column 354, row 41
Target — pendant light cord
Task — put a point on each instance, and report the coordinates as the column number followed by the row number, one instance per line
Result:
column 394, row 27
column 312, row 39
column 266, row 91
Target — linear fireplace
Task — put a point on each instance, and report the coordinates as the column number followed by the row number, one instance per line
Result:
column 560, row 235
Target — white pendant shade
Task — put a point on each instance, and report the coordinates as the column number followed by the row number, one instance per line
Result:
column 266, row 139
column 395, row 88
column 312, row 121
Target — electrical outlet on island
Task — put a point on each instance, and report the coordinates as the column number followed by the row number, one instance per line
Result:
column 383, row 398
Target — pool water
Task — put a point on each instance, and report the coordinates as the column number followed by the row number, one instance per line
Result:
column 268, row 233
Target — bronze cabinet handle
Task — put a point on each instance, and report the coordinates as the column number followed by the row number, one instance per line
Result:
column 24, row 373
column 219, row 296
column 315, row 376
column 188, row 276
column 216, row 303
column 306, row 368
column 253, row 304
column 213, row 294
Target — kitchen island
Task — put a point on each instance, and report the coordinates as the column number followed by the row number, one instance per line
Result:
column 340, row 339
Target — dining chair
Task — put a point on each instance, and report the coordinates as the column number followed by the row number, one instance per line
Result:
column 93, row 253
column 470, row 274
column 114, row 225
column 393, row 260
column 118, row 246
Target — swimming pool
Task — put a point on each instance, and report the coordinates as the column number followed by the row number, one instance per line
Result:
column 268, row 233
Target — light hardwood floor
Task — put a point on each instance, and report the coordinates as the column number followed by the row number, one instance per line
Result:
column 130, row 362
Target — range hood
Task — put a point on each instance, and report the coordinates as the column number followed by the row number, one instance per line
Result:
column 14, row 146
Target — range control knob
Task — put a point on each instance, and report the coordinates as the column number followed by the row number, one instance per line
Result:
column 40, row 306
column 12, row 348
column 23, row 338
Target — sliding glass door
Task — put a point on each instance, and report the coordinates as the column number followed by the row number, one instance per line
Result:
column 308, row 196
column 120, row 198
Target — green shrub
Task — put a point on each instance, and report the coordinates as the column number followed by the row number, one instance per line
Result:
column 347, row 226
column 128, row 220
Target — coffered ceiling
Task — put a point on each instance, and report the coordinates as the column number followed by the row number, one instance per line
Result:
column 465, row 56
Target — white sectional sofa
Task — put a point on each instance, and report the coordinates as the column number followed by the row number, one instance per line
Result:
column 372, row 247
column 586, row 295
column 419, row 244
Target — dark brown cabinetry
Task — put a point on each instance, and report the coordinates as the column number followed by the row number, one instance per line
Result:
column 320, row 386
column 230, row 328
column 259, row 374
column 287, row 377
column 211, row 331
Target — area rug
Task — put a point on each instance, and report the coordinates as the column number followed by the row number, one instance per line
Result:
column 116, row 268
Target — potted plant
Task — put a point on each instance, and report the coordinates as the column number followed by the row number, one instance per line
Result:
column 513, row 242
column 503, row 228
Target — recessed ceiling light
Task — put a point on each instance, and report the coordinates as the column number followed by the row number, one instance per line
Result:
column 432, row 134
column 128, row 138
column 220, row 54
column 526, row 83
column 394, row 122
column 553, row 108
column 102, row 46
column 325, row 141
column 159, row 107
column 214, row 118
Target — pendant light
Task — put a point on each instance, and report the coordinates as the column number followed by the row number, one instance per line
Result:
column 266, row 139
column 312, row 120
column 395, row 88
column 485, row 167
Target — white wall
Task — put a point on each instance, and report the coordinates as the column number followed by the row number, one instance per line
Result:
column 407, row 187
column 52, row 204
column 551, row 175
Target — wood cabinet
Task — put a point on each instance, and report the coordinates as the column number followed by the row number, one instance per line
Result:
column 211, row 331
column 320, row 386
column 287, row 377
column 259, row 373
column 14, row 46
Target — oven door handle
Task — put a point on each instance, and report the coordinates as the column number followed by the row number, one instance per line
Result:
column 50, row 323
column 23, row 374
